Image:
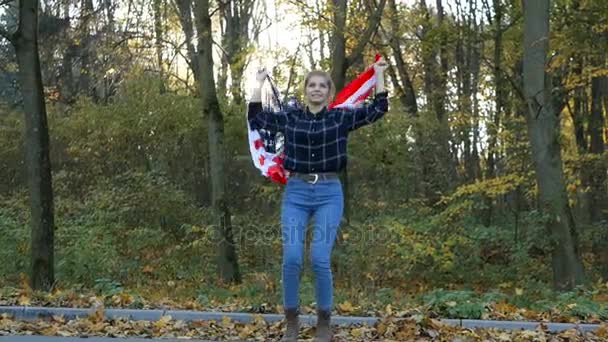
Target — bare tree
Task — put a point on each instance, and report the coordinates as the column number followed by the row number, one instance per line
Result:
column 184, row 10
column 435, row 65
column 341, row 61
column 237, row 15
column 158, row 39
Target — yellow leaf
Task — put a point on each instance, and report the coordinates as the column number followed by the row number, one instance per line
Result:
column 97, row 314
column 519, row 291
column 381, row 328
column 602, row 331
column 346, row 307
column 245, row 332
column 162, row 322
column 226, row 321
column 504, row 337
column 64, row 333
column 97, row 327
column 388, row 309
column 24, row 300
column 50, row 331
column 25, row 284
column 58, row 318
column 356, row 332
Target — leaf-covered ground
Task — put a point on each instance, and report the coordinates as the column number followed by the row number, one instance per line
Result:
column 395, row 325
column 389, row 329
column 574, row 311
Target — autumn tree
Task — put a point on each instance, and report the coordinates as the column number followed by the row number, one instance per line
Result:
column 25, row 41
column 227, row 258
column 543, row 131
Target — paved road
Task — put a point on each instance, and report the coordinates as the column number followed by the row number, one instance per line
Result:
column 84, row 339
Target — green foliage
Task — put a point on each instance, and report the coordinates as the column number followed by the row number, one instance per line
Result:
column 458, row 304
column 108, row 287
column 580, row 303
column 14, row 242
column 128, row 223
column 138, row 131
column 11, row 151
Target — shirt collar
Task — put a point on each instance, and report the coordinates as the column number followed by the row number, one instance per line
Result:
column 309, row 115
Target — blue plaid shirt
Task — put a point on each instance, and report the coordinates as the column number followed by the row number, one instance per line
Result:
column 316, row 143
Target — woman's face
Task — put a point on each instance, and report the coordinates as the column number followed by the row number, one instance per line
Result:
column 317, row 90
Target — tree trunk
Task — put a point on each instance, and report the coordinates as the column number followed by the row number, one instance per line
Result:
column 475, row 67
column 222, row 77
column 439, row 101
column 158, row 44
column 85, row 47
column 408, row 99
column 338, row 44
column 596, row 172
column 184, row 8
column 543, row 130
column 498, row 89
column 499, row 100
column 443, row 175
column 37, row 147
column 227, row 259
column 598, row 195
column 67, row 76
column 110, row 8
column 237, row 16
column 321, row 36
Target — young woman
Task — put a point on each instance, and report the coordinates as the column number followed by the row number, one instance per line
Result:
column 315, row 151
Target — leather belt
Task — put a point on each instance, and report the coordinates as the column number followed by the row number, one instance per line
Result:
column 313, row 178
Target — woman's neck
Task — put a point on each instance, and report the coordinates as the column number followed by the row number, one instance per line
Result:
column 315, row 108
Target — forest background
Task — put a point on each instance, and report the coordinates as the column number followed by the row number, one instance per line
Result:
column 124, row 165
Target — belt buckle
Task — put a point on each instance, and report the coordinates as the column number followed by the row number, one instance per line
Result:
column 316, row 178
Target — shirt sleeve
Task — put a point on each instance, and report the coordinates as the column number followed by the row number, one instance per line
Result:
column 262, row 119
column 359, row 117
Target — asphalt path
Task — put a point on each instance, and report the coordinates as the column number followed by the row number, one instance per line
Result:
column 85, row 339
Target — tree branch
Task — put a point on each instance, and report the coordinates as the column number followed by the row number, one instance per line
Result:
column 6, row 35
column 185, row 82
column 309, row 9
column 374, row 21
column 518, row 90
column 5, row 2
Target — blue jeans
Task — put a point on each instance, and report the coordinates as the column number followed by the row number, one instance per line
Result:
column 325, row 202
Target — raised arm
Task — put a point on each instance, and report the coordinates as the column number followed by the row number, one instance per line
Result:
column 365, row 115
column 258, row 117
column 359, row 117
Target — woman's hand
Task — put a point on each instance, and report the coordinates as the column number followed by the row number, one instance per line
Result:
column 261, row 76
column 380, row 66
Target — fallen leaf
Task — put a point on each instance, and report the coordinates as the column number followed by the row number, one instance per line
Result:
column 346, row 307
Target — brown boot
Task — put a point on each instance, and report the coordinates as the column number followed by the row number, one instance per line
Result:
column 323, row 331
column 293, row 327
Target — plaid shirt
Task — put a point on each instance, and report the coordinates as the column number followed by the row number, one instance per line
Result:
column 316, row 143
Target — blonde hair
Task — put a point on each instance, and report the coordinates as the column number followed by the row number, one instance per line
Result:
column 330, row 84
